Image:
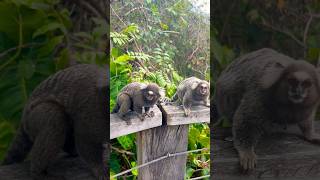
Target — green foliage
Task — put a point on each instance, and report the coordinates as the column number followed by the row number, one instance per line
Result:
column 158, row 44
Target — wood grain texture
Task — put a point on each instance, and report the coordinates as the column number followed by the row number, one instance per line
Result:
column 281, row 154
column 157, row 142
column 69, row 168
column 119, row 127
column 174, row 115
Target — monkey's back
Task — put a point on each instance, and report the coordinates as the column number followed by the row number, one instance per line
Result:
column 185, row 85
column 80, row 91
column 243, row 74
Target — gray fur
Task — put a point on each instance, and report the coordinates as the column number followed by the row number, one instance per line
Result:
column 132, row 97
column 188, row 94
column 66, row 111
column 253, row 91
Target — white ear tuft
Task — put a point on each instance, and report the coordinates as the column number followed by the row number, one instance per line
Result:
column 150, row 92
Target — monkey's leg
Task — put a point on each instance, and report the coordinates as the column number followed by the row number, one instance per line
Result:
column 207, row 102
column 246, row 132
column 125, row 106
column 307, row 129
column 138, row 110
column 49, row 140
column 19, row 148
column 93, row 154
column 186, row 104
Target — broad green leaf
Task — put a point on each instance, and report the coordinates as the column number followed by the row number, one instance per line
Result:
column 47, row 28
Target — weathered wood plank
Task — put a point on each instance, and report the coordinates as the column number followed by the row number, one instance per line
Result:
column 119, row 127
column 69, row 168
column 157, row 142
column 281, row 154
column 174, row 115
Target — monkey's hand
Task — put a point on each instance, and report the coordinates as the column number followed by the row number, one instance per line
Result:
column 248, row 159
column 150, row 114
column 187, row 112
column 207, row 104
column 314, row 138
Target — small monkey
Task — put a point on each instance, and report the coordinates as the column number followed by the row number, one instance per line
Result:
column 192, row 91
column 262, row 89
column 137, row 97
column 67, row 111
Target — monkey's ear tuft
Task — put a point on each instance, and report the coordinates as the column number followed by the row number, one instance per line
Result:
column 194, row 85
column 271, row 75
column 150, row 92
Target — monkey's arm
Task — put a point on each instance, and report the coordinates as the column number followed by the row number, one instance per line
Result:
column 247, row 129
column 187, row 103
column 307, row 129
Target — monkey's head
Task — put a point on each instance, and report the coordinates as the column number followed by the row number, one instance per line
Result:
column 151, row 93
column 201, row 88
column 297, row 83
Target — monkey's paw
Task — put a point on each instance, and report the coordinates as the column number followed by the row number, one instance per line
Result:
column 150, row 114
column 127, row 120
column 315, row 138
column 208, row 104
column 248, row 160
column 187, row 112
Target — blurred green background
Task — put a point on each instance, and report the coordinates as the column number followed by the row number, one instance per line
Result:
column 38, row 38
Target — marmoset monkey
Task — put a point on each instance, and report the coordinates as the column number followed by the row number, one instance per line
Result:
column 137, row 97
column 67, row 111
column 192, row 91
column 264, row 88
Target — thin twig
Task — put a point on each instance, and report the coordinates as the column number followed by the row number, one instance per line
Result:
column 158, row 159
column 122, row 151
column 286, row 33
column 201, row 177
column 137, row 8
column 4, row 53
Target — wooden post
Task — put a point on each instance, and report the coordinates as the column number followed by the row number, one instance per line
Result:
column 172, row 137
column 158, row 142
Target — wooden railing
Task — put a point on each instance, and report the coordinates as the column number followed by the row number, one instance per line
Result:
column 165, row 133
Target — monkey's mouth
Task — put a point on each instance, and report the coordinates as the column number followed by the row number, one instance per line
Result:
column 203, row 92
column 296, row 98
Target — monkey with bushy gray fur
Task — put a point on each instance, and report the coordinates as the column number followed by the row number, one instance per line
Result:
column 67, row 111
column 136, row 97
column 192, row 91
column 262, row 89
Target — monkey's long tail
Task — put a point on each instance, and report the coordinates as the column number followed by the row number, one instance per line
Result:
column 19, row 148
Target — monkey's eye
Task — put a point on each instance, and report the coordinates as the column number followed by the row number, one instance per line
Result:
column 306, row 83
column 293, row 82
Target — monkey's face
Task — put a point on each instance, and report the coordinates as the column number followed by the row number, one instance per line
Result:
column 151, row 93
column 151, row 96
column 203, row 89
column 299, row 85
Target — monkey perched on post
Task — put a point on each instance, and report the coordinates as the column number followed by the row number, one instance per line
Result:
column 266, row 88
column 192, row 91
column 137, row 97
column 66, row 112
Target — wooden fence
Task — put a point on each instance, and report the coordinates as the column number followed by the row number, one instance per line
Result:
column 165, row 133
